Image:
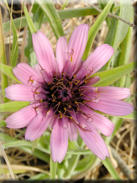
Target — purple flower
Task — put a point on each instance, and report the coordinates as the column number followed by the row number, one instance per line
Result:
column 62, row 97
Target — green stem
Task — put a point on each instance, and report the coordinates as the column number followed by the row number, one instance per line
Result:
column 110, row 168
column 53, row 167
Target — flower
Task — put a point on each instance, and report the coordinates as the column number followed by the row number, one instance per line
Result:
column 62, row 95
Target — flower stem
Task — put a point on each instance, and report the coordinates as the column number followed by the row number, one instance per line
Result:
column 110, row 168
column 53, row 167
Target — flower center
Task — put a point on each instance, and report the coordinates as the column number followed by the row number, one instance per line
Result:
column 63, row 95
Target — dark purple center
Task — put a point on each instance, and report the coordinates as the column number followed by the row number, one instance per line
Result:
column 64, row 95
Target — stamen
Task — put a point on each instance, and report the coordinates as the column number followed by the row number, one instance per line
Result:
column 31, row 80
column 35, row 91
column 71, row 55
column 99, row 92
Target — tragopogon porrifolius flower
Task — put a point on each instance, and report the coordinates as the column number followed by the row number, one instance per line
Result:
column 62, row 96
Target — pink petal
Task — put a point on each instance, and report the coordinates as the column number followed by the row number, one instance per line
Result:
column 24, row 72
column 59, row 141
column 113, row 92
column 46, row 76
column 103, row 124
column 94, row 142
column 77, row 44
column 92, row 81
column 61, row 53
column 43, row 51
column 20, row 92
column 82, row 120
column 37, row 68
column 21, row 118
column 37, row 126
column 99, row 57
column 112, row 107
column 72, row 131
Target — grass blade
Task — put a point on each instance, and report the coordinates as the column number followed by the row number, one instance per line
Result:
column 7, row 70
column 121, row 27
column 110, row 168
column 29, row 21
column 14, row 51
column 4, row 81
column 110, row 76
column 95, row 28
column 52, row 16
column 8, row 107
column 64, row 14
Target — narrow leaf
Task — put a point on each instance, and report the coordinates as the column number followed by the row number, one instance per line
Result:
column 85, row 163
column 73, row 161
column 12, row 106
column 37, row 18
column 121, row 27
column 14, row 51
column 29, row 21
column 111, row 168
column 7, row 70
column 53, row 168
column 4, row 81
column 40, row 176
column 52, row 16
column 95, row 28
column 2, row 123
column 38, row 15
column 125, row 53
column 64, row 14
column 12, row 142
column 110, row 76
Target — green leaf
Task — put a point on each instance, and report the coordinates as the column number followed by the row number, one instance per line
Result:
column 52, row 16
column 34, row 143
column 64, row 5
column 4, row 81
column 95, row 28
column 29, row 50
column 38, row 15
column 21, row 143
column 14, row 51
column 121, row 27
column 73, row 161
column 2, row 123
column 125, row 54
column 37, row 153
column 12, row 106
column 110, row 76
column 111, row 168
column 53, row 168
column 37, row 18
column 85, row 163
column 40, row 176
column 64, row 14
column 102, row 4
column 7, row 70
column 112, row 29
column 117, row 122
column 29, row 21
